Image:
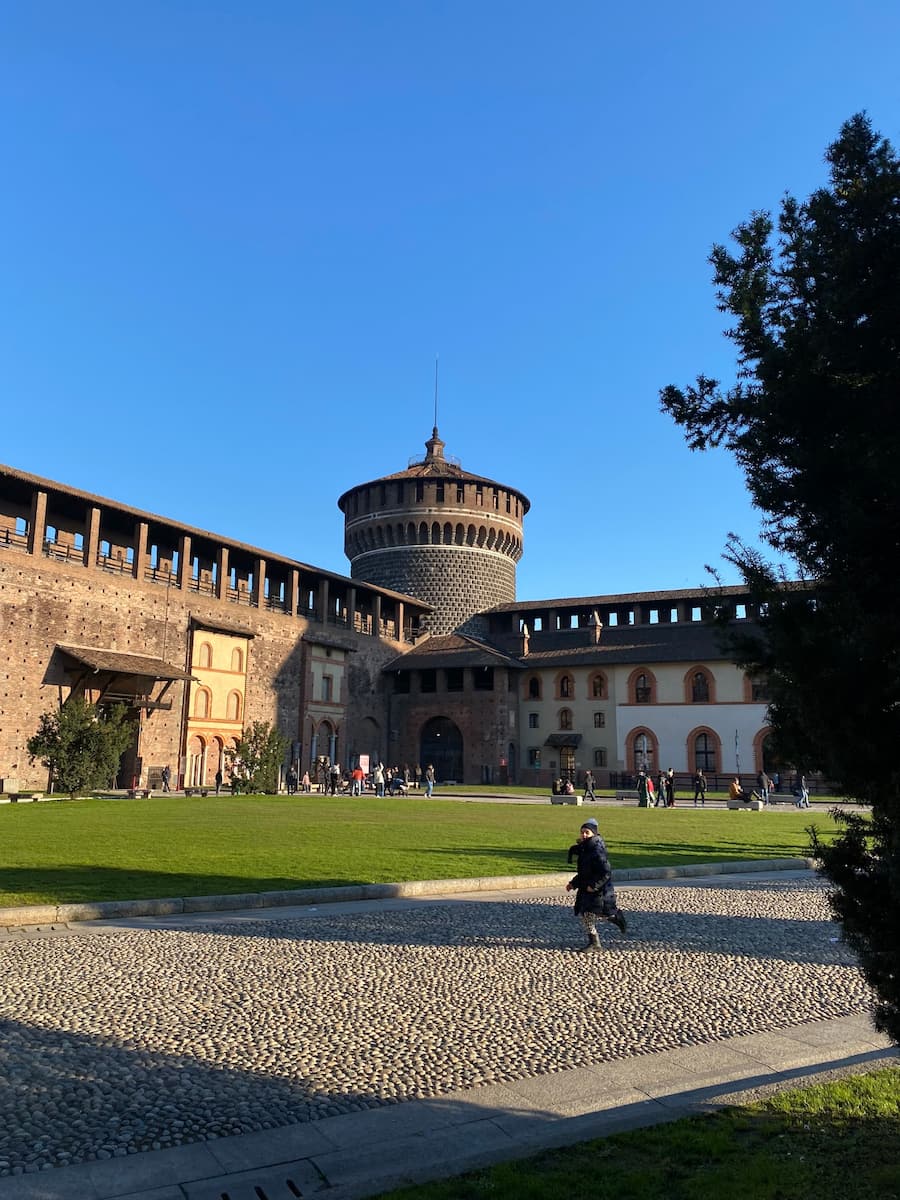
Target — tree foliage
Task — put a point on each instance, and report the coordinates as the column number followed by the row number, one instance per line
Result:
column 257, row 758
column 81, row 744
column 813, row 419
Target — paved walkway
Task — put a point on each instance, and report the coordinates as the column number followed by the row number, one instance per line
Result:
column 370, row 1044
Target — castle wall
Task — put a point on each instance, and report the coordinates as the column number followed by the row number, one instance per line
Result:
column 78, row 571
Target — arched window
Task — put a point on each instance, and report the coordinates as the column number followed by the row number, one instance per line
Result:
column 534, row 688
column 237, row 660
column 597, row 689
column 565, row 687
column 565, row 718
column 233, row 707
column 704, row 753
column 699, row 688
column 643, row 752
column 642, row 689
column 204, row 658
column 201, row 704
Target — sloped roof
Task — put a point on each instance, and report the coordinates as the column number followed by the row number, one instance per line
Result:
column 451, row 650
column 115, row 663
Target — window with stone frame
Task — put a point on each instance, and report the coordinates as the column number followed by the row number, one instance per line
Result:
column 600, row 756
column 643, row 692
column 700, row 688
column 534, row 688
column 598, row 687
column 534, row 721
column 566, row 687
column 534, row 756
column 599, row 720
column 565, row 718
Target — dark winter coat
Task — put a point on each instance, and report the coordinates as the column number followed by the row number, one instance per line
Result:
column 594, row 872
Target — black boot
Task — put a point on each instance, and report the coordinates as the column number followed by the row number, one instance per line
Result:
column 619, row 921
column 593, row 944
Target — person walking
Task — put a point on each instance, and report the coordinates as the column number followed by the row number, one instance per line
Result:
column 700, row 789
column 589, row 786
column 595, row 896
column 660, row 790
column 429, row 780
column 219, row 780
column 762, row 786
column 802, row 793
column 306, row 782
column 166, row 777
column 670, row 788
column 643, row 790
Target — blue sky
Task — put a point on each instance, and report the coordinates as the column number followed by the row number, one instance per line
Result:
column 236, row 235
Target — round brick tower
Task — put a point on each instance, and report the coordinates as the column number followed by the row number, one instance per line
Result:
column 437, row 533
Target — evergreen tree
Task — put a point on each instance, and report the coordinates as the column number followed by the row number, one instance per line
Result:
column 81, row 744
column 814, row 423
column 257, row 758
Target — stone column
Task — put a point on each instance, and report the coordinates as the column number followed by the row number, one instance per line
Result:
column 351, row 608
column 323, row 601
column 38, row 524
column 259, row 583
column 141, row 535
column 222, row 573
column 376, row 615
column 184, row 562
column 92, row 541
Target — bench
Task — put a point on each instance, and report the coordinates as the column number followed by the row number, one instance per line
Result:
column 741, row 806
column 574, row 799
column 627, row 794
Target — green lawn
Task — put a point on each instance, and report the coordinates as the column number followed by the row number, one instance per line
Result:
column 58, row 852
column 831, row 1142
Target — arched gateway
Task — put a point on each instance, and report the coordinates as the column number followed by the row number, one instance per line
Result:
column 442, row 746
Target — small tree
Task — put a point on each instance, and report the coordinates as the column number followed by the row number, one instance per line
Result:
column 257, row 758
column 81, row 744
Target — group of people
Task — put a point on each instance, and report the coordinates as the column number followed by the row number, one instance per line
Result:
column 658, row 795
column 390, row 781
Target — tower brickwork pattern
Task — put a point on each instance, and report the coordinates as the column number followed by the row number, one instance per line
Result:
column 438, row 533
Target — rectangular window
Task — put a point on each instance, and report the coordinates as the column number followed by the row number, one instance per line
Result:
column 479, row 495
column 759, row 690
column 508, row 502
column 496, row 498
column 420, row 490
column 534, row 721
column 460, row 493
column 599, row 720
column 484, row 679
column 428, row 681
column 439, row 493
column 654, row 616
column 740, row 612
column 534, row 756
column 399, row 493
column 613, row 620
column 454, row 679
column 401, row 682
column 600, row 757
column 696, row 614
column 327, row 688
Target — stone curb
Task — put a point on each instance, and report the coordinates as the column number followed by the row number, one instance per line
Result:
column 103, row 910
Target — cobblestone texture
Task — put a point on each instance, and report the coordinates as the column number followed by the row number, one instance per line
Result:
column 134, row 1040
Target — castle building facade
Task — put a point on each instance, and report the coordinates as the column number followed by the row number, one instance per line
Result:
column 422, row 655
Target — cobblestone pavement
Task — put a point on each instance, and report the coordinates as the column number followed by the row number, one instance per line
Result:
column 139, row 1039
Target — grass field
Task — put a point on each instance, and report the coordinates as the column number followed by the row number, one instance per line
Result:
column 831, row 1142
column 173, row 846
